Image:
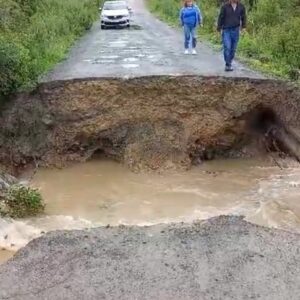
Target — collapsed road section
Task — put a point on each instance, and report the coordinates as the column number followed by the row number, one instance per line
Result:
column 153, row 123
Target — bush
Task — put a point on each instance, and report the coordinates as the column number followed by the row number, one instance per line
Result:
column 14, row 60
column 273, row 39
column 21, row 201
column 35, row 35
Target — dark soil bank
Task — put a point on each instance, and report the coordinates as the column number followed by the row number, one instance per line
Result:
column 150, row 123
column 224, row 258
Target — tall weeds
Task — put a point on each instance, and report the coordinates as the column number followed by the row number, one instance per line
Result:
column 35, row 35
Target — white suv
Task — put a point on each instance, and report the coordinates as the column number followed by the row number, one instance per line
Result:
column 115, row 14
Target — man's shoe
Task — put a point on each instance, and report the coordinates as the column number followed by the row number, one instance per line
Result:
column 228, row 69
column 194, row 52
column 186, row 51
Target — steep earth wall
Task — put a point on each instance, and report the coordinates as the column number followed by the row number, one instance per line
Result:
column 149, row 123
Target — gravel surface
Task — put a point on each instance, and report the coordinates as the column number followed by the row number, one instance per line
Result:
column 221, row 258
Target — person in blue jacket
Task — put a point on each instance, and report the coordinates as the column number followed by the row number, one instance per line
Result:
column 190, row 18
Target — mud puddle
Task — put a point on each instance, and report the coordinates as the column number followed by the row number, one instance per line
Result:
column 102, row 192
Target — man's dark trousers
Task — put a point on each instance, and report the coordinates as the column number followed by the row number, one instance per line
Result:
column 230, row 38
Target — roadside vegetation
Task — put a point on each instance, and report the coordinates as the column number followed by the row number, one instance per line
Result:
column 36, row 34
column 19, row 201
column 272, row 41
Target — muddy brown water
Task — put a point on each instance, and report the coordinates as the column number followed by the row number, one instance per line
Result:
column 101, row 192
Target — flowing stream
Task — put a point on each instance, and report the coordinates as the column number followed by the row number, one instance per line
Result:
column 101, row 192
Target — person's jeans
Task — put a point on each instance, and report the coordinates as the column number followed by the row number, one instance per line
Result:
column 189, row 34
column 230, row 39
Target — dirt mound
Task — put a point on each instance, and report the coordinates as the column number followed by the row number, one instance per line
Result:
column 150, row 123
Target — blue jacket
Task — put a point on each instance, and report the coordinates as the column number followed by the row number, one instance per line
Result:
column 191, row 16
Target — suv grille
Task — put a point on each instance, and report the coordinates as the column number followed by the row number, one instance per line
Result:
column 115, row 17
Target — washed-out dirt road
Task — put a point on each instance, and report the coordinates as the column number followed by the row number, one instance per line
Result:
column 223, row 258
column 150, row 47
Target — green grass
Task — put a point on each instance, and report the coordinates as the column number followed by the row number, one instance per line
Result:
column 272, row 41
column 36, row 34
column 21, row 201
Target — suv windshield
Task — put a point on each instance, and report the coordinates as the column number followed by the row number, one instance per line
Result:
column 114, row 6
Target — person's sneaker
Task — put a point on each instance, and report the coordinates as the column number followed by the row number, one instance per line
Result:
column 194, row 52
column 228, row 69
column 186, row 51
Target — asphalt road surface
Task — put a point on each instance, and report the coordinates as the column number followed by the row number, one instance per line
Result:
column 150, row 47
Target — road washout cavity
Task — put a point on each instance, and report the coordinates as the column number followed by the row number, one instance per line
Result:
column 149, row 123
column 102, row 192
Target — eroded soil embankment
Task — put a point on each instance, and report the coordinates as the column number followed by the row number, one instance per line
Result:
column 150, row 123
